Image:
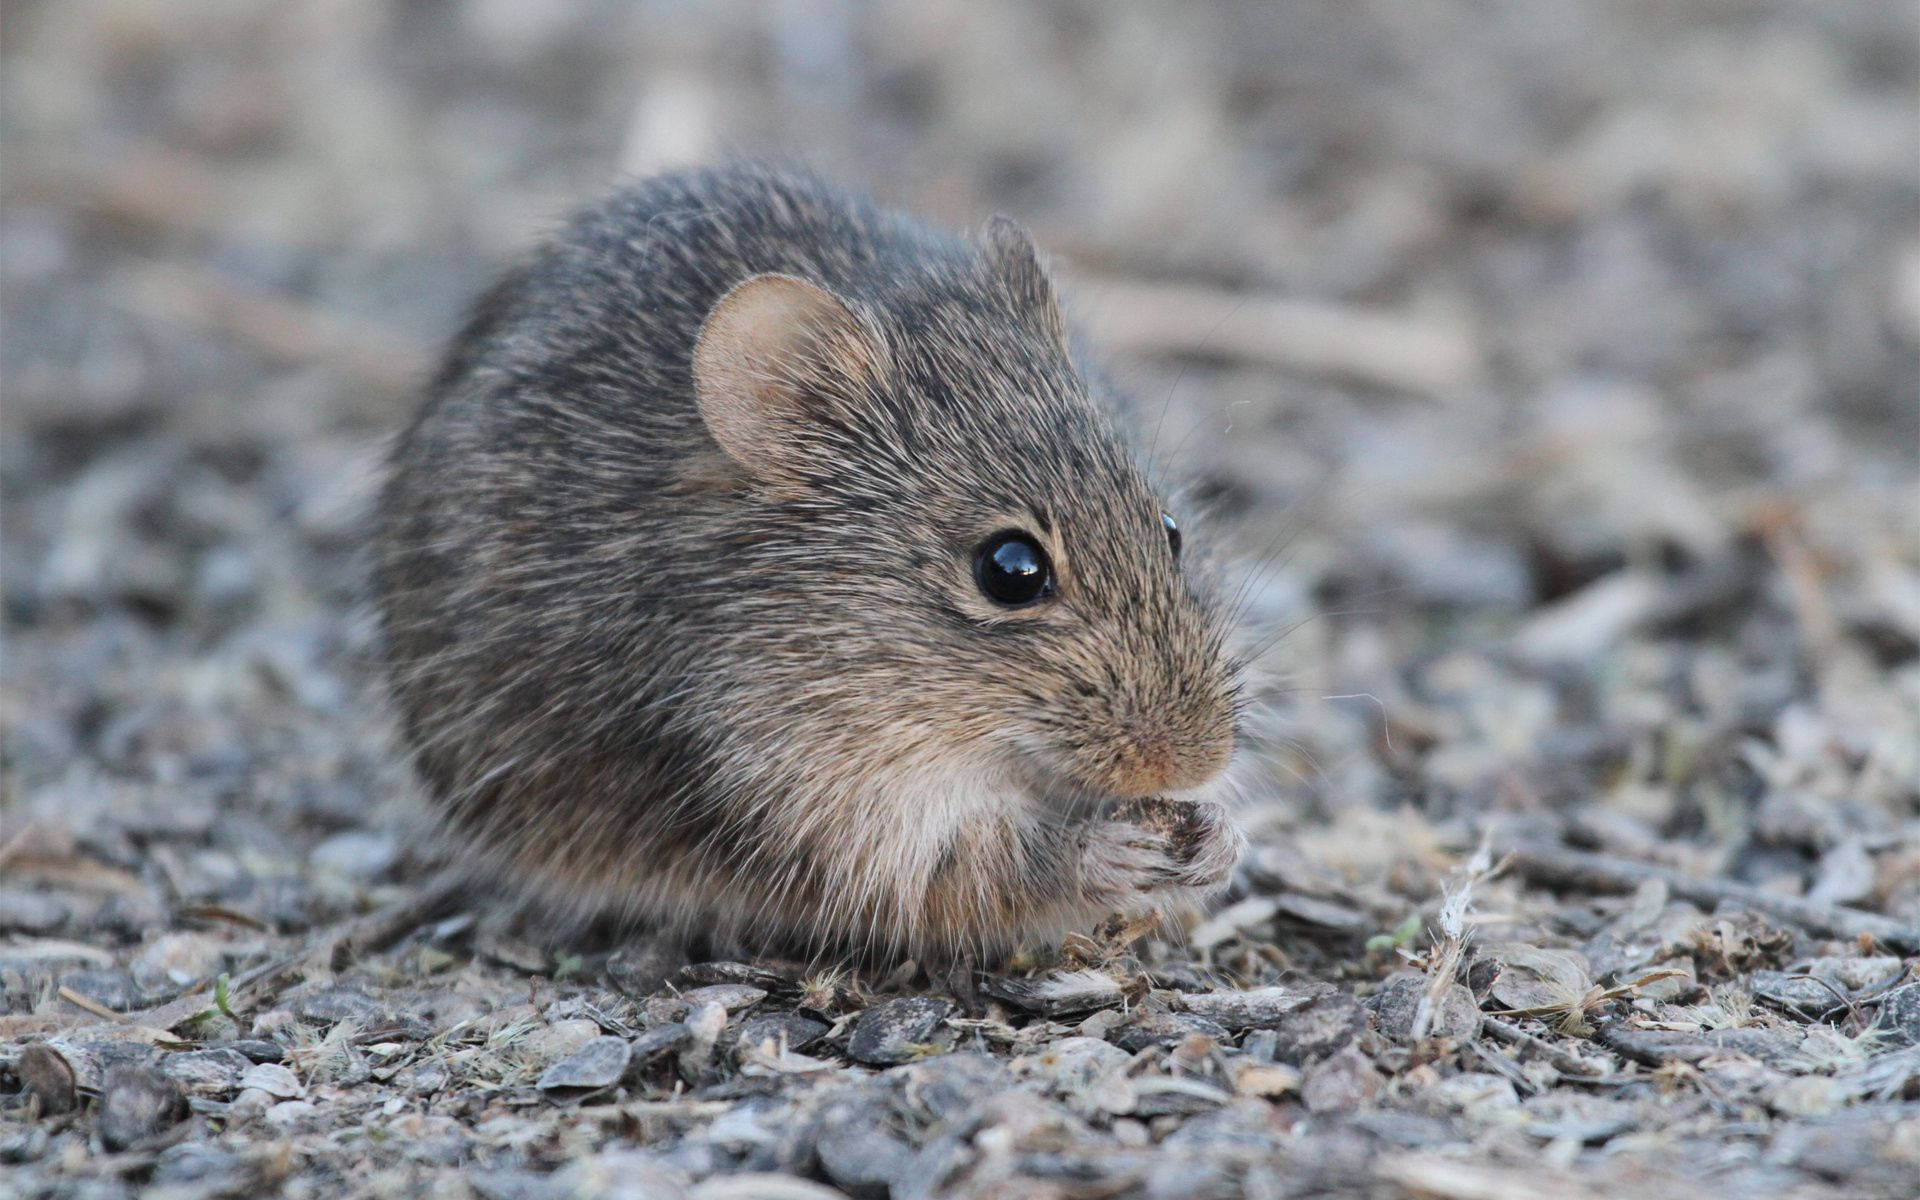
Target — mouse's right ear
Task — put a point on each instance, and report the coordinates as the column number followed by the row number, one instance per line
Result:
column 776, row 355
column 1011, row 252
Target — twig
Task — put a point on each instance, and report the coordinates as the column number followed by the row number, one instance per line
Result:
column 93, row 1006
column 327, row 951
column 1506, row 1067
column 1846, row 1001
column 217, row 912
column 245, row 981
column 1780, row 534
column 1552, row 866
column 278, row 325
column 1431, row 1174
column 1564, row 1062
column 384, row 926
column 13, row 845
column 1658, row 1047
column 1376, row 347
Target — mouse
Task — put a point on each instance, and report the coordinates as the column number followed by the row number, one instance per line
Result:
column 771, row 566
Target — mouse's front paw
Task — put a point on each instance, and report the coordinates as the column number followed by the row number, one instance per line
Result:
column 1200, row 839
column 1121, row 863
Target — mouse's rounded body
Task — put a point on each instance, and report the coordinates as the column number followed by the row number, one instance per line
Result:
column 760, row 564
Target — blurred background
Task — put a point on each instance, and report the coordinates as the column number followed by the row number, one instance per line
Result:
column 1553, row 361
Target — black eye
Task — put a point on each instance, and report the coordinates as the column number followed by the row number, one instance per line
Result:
column 1012, row 569
column 1173, row 532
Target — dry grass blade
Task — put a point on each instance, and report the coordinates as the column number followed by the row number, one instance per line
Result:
column 1443, row 962
column 1558, row 867
column 1381, row 348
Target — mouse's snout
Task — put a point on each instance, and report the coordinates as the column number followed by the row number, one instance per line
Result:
column 1131, row 748
column 1156, row 759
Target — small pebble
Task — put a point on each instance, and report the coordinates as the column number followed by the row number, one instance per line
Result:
column 1577, row 1118
column 334, row 1005
column 1072, row 1064
column 734, row 997
column 181, row 958
column 551, row 1043
column 357, row 855
column 521, row 955
column 946, row 1087
column 1475, row 1093
column 1331, row 1021
column 250, row 1103
column 273, row 1079
column 1060, row 993
column 898, row 1030
column 621, row 1175
column 258, row 1049
column 1340, row 1083
column 704, row 1026
column 640, row 970
column 136, row 1103
column 600, row 1063
column 1899, row 1020
column 1163, row 1029
column 1322, row 914
column 289, row 1114
column 858, row 1148
column 213, row 1170
column 1265, row 1079
column 754, row 974
column 796, row 1029
column 214, row 1072
column 1256, row 1008
column 48, row 1077
column 1396, row 1008
column 658, row 1040
column 31, row 912
column 426, row 1078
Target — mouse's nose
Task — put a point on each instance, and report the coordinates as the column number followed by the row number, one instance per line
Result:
column 1153, row 758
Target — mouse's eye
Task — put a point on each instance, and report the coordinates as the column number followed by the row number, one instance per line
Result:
column 1012, row 569
column 1173, row 532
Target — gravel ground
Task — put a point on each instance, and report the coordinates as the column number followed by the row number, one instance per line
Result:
column 1554, row 364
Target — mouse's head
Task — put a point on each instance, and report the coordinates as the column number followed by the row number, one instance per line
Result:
column 982, row 560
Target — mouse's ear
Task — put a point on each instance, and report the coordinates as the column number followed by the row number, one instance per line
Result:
column 1011, row 253
column 774, row 356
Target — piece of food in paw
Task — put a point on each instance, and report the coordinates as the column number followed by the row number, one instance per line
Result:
column 1180, row 822
column 1199, row 837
